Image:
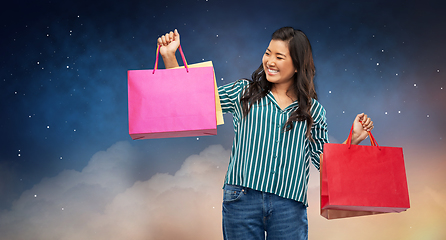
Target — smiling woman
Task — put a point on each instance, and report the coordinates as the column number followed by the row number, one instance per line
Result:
column 278, row 65
column 279, row 69
column 290, row 54
column 279, row 126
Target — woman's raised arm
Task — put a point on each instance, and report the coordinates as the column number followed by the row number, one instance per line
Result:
column 169, row 44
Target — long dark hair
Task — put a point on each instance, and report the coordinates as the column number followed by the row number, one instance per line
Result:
column 303, row 84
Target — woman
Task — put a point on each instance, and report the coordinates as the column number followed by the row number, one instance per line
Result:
column 279, row 128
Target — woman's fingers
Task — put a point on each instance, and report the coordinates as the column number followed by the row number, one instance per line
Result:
column 164, row 40
column 168, row 38
column 367, row 123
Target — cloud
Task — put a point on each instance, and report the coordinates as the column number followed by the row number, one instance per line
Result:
column 7, row 179
column 103, row 201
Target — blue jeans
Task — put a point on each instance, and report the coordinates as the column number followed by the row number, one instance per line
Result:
column 253, row 215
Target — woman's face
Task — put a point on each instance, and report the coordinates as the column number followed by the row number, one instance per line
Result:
column 277, row 63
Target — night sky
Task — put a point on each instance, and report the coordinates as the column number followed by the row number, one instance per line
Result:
column 69, row 169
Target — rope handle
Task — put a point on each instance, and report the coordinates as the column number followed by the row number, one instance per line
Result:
column 373, row 141
column 158, row 54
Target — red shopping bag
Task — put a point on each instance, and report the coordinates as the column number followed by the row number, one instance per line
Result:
column 166, row 103
column 362, row 180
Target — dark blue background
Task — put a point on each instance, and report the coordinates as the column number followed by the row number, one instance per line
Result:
column 63, row 68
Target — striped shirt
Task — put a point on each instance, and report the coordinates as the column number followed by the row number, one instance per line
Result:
column 266, row 158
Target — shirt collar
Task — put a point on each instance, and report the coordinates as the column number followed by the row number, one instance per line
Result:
column 270, row 96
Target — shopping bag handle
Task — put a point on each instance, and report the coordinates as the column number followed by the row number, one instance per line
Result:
column 373, row 141
column 158, row 54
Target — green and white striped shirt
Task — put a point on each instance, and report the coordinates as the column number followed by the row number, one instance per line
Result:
column 266, row 158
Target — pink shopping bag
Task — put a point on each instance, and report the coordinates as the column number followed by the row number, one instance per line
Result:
column 166, row 103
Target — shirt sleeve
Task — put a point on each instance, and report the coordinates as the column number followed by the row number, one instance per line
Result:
column 230, row 96
column 318, row 132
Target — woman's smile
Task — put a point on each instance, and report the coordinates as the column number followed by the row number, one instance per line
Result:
column 278, row 64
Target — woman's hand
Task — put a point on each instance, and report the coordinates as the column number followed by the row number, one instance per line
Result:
column 169, row 44
column 362, row 125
